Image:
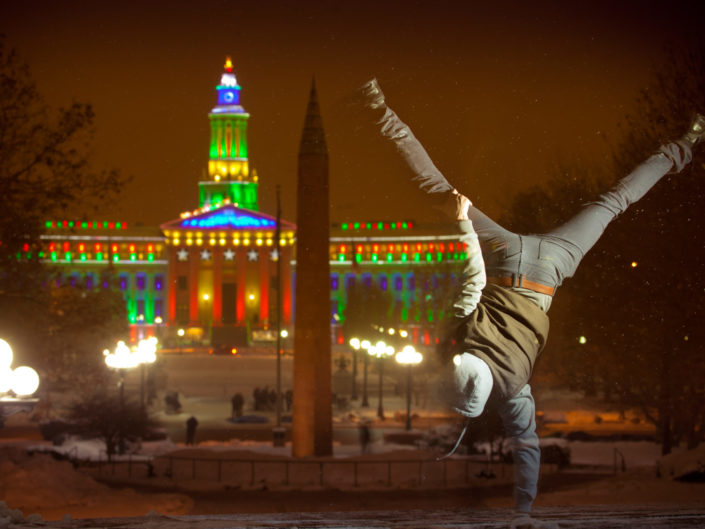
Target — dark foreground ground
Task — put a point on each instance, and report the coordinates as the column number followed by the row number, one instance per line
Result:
column 586, row 516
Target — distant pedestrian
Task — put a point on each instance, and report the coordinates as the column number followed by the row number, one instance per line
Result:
column 191, row 424
column 289, row 399
column 237, row 402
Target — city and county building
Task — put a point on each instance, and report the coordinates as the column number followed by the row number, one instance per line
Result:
column 222, row 274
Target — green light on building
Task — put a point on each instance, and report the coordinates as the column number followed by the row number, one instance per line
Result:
column 356, row 225
column 54, row 257
column 67, row 256
column 358, row 258
column 150, row 257
column 133, row 257
column 341, row 257
column 83, row 257
column 439, row 257
column 344, row 226
column 403, row 258
column 428, row 257
column 404, row 226
column 48, row 224
column 417, row 257
column 116, row 258
column 84, row 225
column 99, row 256
column 374, row 258
column 390, row 257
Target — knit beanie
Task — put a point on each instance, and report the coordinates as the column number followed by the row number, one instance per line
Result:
column 473, row 382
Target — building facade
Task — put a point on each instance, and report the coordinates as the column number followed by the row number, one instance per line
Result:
column 213, row 271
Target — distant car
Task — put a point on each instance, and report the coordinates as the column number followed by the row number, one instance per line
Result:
column 229, row 350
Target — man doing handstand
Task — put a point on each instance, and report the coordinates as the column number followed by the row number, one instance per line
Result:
column 508, row 282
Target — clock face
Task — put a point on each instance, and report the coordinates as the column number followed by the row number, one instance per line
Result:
column 228, row 97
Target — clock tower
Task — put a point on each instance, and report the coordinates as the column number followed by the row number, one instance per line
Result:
column 229, row 177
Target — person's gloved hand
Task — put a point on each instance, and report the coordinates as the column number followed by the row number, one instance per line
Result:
column 523, row 520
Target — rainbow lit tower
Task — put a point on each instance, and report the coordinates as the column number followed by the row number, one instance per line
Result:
column 229, row 177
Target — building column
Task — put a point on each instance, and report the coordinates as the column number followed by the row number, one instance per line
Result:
column 193, row 266
column 241, row 259
column 264, row 282
column 286, row 286
column 172, row 286
column 217, row 287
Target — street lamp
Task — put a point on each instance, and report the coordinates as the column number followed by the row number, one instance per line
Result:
column 381, row 350
column 181, row 334
column 355, row 344
column 125, row 358
column 16, row 385
column 409, row 357
column 365, row 344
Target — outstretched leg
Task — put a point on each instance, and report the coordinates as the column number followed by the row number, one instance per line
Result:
column 424, row 174
column 572, row 240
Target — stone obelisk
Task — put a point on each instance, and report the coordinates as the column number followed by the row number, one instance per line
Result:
column 312, row 424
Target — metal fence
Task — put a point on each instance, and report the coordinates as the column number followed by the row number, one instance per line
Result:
column 304, row 473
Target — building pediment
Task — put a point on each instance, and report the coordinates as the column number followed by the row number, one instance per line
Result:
column 226, row 218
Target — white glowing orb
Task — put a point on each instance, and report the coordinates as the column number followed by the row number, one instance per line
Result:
column 408, row 355
column 5, row 354
column 122, row 358
column 147, row 351
column 355, row 343
column 5, row 379
column 25, row 381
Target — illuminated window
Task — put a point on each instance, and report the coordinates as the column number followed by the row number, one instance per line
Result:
column 158, row 308
column 334, row 281
column 140, row 283
column 350, row 280
column 382, row 282
column 367, row 280
column 398, row 282
column 158, row 282
column 124, row 282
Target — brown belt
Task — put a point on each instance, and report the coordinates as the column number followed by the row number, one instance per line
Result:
column 522, row 282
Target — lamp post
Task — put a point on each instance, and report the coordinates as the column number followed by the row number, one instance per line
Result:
column 355, row 344
column 125, row 358
column 409, row 357
column 365, row 344
column 181, row 333
column 380, row 350
column 16, row 385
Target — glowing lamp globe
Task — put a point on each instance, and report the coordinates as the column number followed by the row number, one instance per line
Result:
column 5, row 354
column 25, row 381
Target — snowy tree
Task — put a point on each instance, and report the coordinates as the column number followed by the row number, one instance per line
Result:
column 44, row 170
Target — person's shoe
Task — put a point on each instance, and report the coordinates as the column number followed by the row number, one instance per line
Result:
column 696, row 131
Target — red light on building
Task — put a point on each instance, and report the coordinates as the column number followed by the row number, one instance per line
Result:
column 67, row 247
